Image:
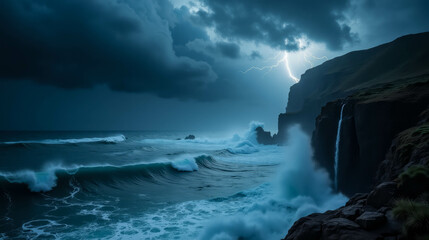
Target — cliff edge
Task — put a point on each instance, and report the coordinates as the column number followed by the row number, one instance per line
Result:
column 368, row 114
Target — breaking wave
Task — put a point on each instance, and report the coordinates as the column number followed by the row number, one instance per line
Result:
column 300, row 189
column 48, row 178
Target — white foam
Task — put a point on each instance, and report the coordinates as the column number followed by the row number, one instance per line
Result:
column 36, row 181
column 111, row 139
column 244, row 147
column 251, row 132
column 185, row 165
column 301, row 190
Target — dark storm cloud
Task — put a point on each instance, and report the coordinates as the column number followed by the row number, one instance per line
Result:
column 184, row 30
column 230, row 50
column 218, row 49
column 255, row 55
column 126, row 45
column 279, row 23
column 385, row 20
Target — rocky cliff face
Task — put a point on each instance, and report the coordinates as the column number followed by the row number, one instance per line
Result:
column 371, row 120
column 397, row 208
column 383, row 146
column 340, row 77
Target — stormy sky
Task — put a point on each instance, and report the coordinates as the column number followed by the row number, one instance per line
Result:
column 179, row 64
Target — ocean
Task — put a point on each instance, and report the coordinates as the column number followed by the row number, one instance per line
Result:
column 156, row 185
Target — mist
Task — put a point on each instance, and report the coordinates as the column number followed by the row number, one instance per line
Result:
column 299, row 188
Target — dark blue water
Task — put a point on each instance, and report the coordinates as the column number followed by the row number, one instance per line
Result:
column 142, row 185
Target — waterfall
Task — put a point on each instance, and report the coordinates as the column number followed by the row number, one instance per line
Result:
column 337, row 147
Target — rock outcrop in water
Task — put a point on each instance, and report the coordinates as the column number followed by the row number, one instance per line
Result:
column 190, row 137
column 384, row 147
column 264, row 137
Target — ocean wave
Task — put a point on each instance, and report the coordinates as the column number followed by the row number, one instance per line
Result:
column 36, row 181
column 185, row 165
column 298, row 190
column 49, row 178
column 249, row 136
column 110, row 139
column 244, row 147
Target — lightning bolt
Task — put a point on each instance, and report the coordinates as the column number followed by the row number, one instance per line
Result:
column 284, row 60
column 308, row 61
column 288, row 68
column 318, row 58
column 308, row 55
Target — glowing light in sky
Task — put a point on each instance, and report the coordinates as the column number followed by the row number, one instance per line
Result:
column 284, row 59
column 288, row 68
column 308, row 55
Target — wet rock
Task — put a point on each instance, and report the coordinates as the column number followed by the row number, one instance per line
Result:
column 371, row 220
column 351, row 212
column 190, row 137
column 344, row 229
column 356, row 198
column 309, row 229
column 384, row 210
column 382, row 194
column 264, row 137
column 344, row 223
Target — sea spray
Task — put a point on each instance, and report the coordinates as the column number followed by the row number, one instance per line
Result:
column 243, row 147
column 251, row 132
column 337, row 147
column 148, row 198
column 41, row 181
column 300, row 189
column 185, row 165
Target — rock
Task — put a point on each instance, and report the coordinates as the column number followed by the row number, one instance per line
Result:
column 190, row 137
column 352, row 212
column 380, row 104
column 343, row 75
column 382, row 194
column 309, row 227
column 371, row 220
column 344, row 229
column 392, row 227
column 356, row 198
column 264, row 137
column 384, row 209
column 307, row 230
column 343, row 223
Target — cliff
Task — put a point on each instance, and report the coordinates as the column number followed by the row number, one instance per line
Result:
column 405, row 57
column 383, row 141
column 371, row 120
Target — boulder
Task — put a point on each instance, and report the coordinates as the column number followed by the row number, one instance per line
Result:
column 371, row 220
column 310, row 229
column 344, row 229
column 190, row 137
column 352, row 212
column 382, row 194
column 264, row 137
column 356, row 198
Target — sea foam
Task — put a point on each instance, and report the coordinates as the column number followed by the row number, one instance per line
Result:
column 299, row 189
column 185, row 165
column 36, row 181
column 110, row 139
